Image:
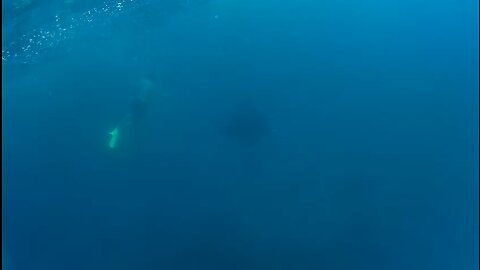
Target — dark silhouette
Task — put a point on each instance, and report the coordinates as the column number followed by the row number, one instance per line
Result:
column 247, row 124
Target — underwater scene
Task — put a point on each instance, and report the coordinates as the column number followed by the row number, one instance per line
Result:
column 240, row 134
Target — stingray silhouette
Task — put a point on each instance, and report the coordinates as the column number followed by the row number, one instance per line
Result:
column 247, row 124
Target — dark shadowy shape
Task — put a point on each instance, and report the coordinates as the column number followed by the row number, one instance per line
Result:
column 247, row 124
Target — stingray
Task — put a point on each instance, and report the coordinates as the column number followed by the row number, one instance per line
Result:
column 247, row 125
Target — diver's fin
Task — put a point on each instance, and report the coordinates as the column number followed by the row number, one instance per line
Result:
column 113, row 140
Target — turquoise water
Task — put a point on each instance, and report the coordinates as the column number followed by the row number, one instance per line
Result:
column 282, row 135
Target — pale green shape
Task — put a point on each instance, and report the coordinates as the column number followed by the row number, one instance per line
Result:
column 113, row 140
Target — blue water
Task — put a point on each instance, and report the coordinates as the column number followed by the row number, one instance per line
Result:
column 283, row 135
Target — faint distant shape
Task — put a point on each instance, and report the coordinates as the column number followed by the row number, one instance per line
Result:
column 247, row 125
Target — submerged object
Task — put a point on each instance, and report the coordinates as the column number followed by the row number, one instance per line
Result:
column 137, row 110
column 247, row 125
column 113, row 139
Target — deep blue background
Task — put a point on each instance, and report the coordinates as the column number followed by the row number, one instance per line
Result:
column 371, row 161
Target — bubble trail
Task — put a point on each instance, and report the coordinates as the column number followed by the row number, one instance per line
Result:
column 35, row 43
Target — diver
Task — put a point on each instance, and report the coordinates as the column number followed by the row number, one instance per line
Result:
column 136, row 113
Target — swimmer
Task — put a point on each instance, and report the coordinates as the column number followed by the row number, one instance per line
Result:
column 137, row 111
